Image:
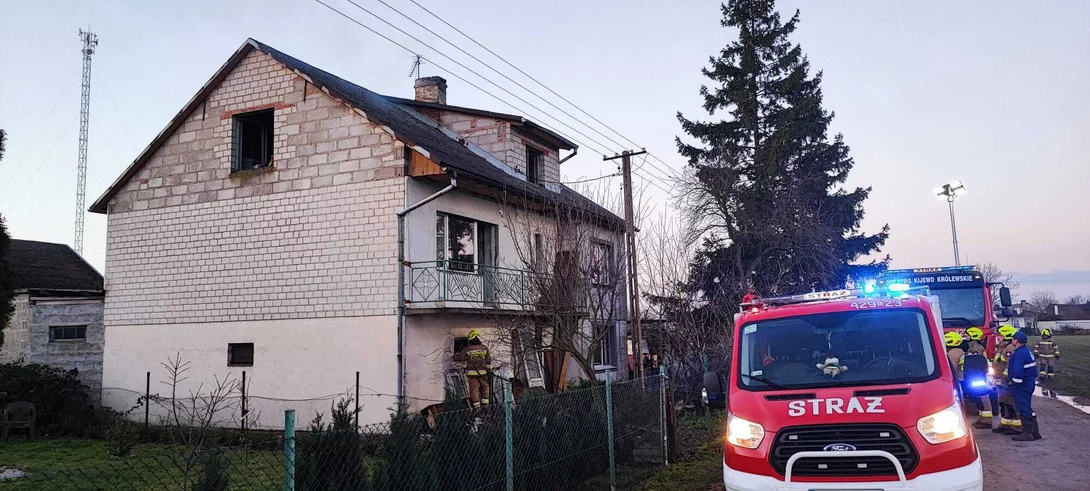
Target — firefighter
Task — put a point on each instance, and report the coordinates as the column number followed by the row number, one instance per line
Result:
column 987, row 409
column 1010, row 423
column 478, row 363
column 1046, row 352
column 955, row 353
column 1023, row 375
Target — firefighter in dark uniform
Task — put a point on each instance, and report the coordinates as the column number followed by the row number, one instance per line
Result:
column 1047, row 352
column 478, row 363
column 1022, row 370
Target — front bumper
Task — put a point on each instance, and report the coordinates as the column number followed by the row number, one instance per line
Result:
column 967, row 478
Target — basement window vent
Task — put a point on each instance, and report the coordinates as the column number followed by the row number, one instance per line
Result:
column 67, row 333
column 240, row 354
column 252, row 140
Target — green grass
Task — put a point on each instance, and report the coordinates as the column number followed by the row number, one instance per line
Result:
column 699, row 464
column 85, row 464
column 1073, row 367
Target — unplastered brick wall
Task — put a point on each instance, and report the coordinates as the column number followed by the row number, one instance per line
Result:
column 312, row 236
column 499, row 139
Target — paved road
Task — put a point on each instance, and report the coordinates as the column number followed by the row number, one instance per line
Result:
column 1061, row 461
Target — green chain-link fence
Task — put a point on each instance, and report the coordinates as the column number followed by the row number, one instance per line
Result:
column 578, row 439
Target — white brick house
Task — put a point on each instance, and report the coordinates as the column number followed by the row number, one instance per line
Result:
column 260, row 232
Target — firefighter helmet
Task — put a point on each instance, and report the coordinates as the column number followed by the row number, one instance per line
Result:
column 953, row 339
column 473, row 334
column 1046, row 332
column 1007, row 332
column 975, row 333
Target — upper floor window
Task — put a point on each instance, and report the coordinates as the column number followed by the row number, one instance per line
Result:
column 253, row 140
column 533, row 164
column 461, row 244
column 601, row 268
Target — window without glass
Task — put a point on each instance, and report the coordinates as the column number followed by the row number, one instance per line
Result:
column 67, row 333
column 463, row 243
column 604, row 354
column 253, row 140
column 533, row 163
column 240, row 354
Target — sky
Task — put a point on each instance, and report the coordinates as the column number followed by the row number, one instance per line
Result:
column 992, row 93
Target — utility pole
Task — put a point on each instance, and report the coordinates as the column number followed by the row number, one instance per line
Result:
column 630, row 244
column 90, row 41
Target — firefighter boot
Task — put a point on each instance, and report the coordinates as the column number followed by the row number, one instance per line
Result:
column 1036, row 429
column 1027, row 432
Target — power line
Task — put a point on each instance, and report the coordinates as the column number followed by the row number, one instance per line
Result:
column 106, row 90
column 474, row 72
column 40, row 165
column 580, row 181
column 455, row 75
column 546, row 87
column 504, row 75
column 40, row 128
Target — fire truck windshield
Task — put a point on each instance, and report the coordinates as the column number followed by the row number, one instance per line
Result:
column 961, row 307
column 860, row 347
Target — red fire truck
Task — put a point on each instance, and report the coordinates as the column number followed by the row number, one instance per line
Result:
column 845, row 390
column 966, row 298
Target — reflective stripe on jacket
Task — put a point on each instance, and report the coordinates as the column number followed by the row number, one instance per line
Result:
column 1022, row 367
column 1046, row 349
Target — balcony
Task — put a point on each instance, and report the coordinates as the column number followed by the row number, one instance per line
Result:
column 474, row 287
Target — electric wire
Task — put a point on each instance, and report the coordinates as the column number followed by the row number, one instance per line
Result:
column 39, row 132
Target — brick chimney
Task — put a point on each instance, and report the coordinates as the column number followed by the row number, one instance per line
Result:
column 431, row 89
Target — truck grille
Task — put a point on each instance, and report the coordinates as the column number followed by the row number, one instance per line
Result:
column 889, row 438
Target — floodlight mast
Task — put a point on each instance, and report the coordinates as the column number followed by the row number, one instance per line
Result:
column 948, row 192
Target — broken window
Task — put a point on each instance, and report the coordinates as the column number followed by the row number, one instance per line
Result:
column 533, row 163
column 253, row 140
column 604, row 354
column 240, row 354
column 67, row 333
column 463, row 243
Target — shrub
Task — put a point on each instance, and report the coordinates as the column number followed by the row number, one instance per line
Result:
column 331, row 456
column 121, row 437
column 213, row 472
column 63, row 405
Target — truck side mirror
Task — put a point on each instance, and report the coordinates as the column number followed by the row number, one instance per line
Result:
column 1005, row 297
column 1006, row 312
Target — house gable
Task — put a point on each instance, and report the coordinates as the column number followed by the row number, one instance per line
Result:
column 317, row 141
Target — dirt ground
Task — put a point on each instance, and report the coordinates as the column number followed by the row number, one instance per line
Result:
column 1057, row 462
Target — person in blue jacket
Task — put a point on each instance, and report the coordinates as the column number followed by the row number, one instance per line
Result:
column 1022, row 371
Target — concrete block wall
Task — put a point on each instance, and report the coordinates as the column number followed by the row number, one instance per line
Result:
column 15, row 333
column 188, row 240
column 84, row 356
column 498, row 138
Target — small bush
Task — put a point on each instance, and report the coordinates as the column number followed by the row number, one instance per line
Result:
column 331, row 456
column 121, row 438
column 213, row 472
column 63, row 405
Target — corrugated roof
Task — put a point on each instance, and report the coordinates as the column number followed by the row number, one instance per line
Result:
column 403, row 121
column 48, row 267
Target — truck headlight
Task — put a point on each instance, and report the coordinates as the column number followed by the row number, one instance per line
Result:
column 943, row 426
column 742, row 433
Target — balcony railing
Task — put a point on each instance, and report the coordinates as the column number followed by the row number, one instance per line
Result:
column 450, row 284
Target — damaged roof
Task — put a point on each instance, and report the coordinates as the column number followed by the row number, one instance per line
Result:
column 48, row 267
column 395, row 114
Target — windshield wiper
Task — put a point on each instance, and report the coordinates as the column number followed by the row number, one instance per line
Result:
column 765, row 381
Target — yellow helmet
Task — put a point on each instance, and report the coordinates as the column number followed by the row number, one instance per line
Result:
column 975, row 333
column 1046, row 332
column 473, row 334
column 953, row 339
column 1007, row 332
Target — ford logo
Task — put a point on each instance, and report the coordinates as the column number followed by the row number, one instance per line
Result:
column 839, row 447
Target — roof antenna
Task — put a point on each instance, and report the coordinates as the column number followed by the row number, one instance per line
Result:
column 417, row 61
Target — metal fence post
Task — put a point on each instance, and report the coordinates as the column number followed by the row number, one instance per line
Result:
column 509, row 435
column 357, row 413
column 662, row 420
column 609, row 433
column 147, row 400
column 289, row 450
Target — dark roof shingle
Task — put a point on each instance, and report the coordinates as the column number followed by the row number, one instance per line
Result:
column 48, row 267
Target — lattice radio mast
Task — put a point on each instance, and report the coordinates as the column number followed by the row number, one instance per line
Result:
column 90, row 41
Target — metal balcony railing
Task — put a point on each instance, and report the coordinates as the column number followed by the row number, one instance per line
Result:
column 453, row 284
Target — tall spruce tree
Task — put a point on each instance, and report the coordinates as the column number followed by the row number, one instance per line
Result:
column 767, row 181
